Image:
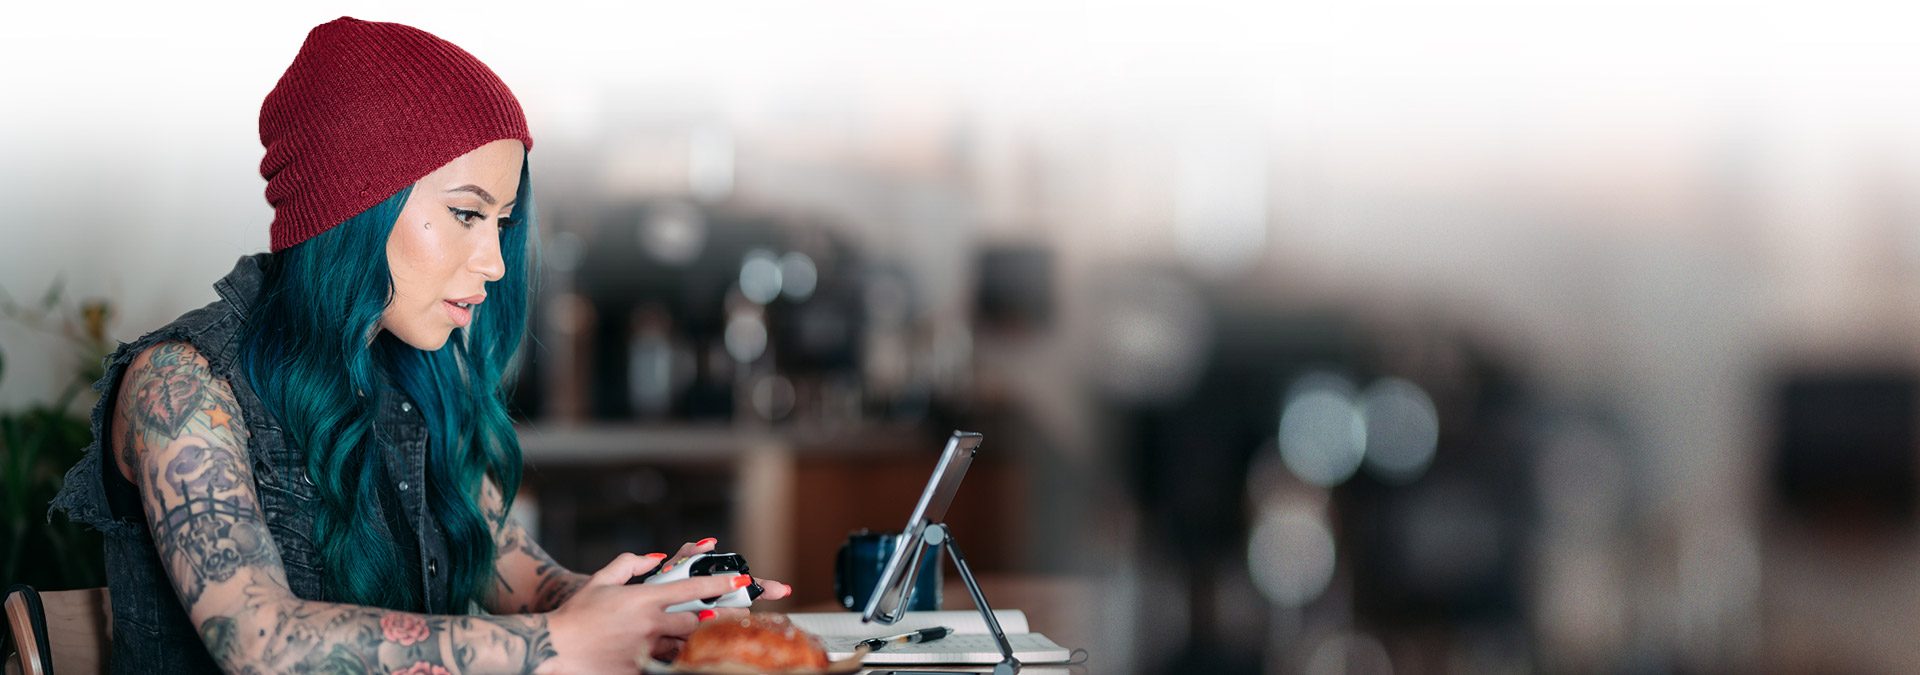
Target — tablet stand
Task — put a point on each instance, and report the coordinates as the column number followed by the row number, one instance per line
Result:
column 936, row 534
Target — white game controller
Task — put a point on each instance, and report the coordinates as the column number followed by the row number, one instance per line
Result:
column 705, row 564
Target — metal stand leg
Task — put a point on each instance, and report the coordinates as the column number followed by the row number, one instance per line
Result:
column 937, row 534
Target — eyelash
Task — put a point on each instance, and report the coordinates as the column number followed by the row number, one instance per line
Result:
column 462, row 215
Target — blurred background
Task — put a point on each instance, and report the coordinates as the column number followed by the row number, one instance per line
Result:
column 1309, row 337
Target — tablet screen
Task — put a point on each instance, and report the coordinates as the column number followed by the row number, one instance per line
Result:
column 896, row 579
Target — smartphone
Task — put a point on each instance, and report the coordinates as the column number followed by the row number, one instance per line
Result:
column 889, row 596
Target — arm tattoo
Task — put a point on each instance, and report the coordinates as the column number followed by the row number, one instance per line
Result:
column 216, row 531
column 183, row 444
column 303, row 636
column 174, row 390
column 525, row 578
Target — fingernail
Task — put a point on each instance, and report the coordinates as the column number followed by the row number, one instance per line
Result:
column 709, row 541
column 742, row 581
column 657, row 556
column 708, row 614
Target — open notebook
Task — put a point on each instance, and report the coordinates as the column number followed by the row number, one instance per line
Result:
column 970, row 642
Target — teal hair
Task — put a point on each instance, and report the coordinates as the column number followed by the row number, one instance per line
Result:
column 307, row 354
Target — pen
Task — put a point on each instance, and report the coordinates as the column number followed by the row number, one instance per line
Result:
column 922, row 635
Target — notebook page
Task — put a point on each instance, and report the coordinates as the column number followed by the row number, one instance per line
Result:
column 830, row 625
column 961, row 648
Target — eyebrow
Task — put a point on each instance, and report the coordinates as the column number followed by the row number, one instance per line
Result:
column 479, row 192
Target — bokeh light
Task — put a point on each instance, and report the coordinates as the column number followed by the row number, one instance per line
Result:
column 746, row 337
column 1291, row 555
column 1323, row 436
column 760, row 279
column 1402, row 429
column 773, row 397
column 798, row 276
column 674, row 233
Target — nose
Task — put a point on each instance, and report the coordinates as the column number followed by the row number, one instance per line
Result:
column 486, row 260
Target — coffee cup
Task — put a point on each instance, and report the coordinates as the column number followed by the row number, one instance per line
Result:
column 857, row 568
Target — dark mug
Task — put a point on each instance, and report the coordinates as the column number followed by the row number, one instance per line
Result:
column 858, row 565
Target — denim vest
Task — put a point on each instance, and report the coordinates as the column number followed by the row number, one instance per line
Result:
column 151, row 631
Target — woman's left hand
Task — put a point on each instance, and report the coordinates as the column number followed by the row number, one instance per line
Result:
column 774, row 590
column 667, row 648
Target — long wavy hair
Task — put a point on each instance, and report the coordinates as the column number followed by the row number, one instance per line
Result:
column 306, row 351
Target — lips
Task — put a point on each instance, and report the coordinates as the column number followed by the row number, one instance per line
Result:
column 461, row 309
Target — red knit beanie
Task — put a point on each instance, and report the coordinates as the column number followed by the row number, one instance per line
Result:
column 367, row 109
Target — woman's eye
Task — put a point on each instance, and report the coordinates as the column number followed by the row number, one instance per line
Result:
column 466, row 217
column 508, row 221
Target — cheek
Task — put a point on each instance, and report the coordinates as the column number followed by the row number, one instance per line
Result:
column 420, row 258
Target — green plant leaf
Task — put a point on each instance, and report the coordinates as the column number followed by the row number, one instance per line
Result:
column 37, row 446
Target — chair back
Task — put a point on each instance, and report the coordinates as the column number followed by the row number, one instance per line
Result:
column 72, row 628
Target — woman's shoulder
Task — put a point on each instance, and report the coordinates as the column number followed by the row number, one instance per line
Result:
column 176, row 373
column 170, row 391
column 168, row 358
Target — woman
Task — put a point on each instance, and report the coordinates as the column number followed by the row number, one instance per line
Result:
column 313, row 473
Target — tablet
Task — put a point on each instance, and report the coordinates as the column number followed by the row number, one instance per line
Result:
column 889, row 596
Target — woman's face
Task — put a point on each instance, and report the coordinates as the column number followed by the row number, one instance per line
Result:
column 446, row 245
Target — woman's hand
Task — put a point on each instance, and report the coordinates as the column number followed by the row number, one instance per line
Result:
column 774, row 590
column 607, row 625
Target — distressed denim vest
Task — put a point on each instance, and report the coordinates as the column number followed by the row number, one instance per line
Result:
column 151, row 631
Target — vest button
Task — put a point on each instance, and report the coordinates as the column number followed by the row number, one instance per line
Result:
column 305, row 479
column 406, row 407
column 433, row 566
column 403, row 486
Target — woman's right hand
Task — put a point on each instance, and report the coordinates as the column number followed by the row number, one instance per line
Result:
column 608, row 625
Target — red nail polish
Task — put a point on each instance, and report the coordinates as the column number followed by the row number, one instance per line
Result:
column 709, row 541
column 708, row 614
column 742, row 581
column 657, row 556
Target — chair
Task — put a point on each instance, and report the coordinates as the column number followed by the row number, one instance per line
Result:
column 74, row 628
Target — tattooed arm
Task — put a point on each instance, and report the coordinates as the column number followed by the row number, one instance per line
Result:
column 180, row 438
column 525, row 578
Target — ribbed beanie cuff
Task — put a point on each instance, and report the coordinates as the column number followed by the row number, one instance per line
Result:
column 366, row 109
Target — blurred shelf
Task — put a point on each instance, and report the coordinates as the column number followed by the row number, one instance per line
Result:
column 627, row 443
